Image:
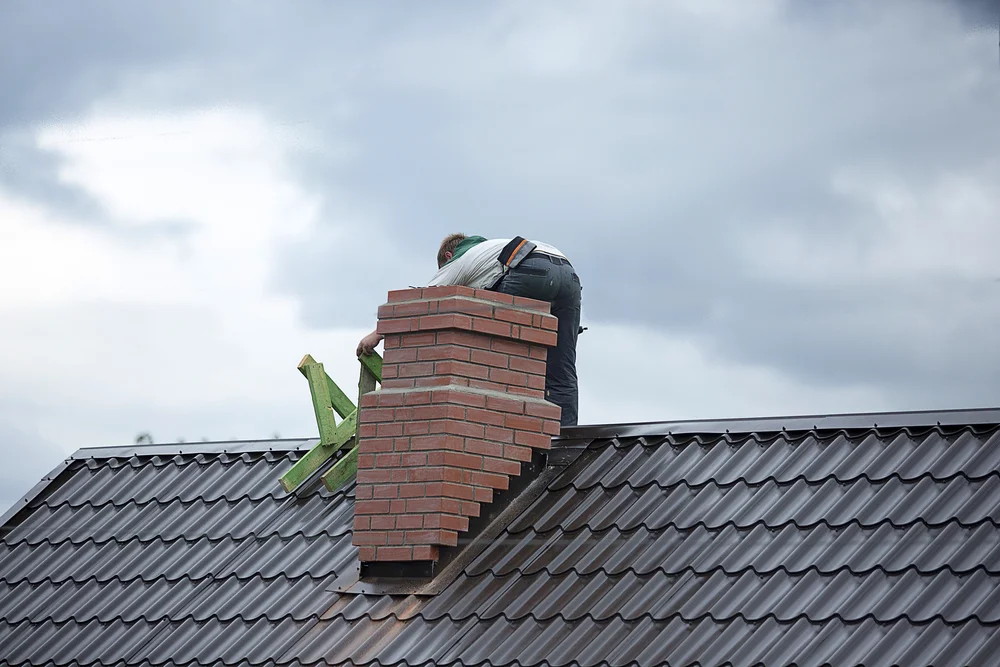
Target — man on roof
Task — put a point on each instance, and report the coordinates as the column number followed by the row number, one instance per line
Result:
column 519, row 267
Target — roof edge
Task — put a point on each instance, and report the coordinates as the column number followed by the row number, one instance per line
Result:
column 834, row 421
column 178, row 448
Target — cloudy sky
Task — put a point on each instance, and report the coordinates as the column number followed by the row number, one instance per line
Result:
column 776, row 207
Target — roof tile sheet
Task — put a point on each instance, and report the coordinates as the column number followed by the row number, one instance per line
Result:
column 840, row 547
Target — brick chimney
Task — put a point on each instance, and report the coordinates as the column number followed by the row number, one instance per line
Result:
column 460, row 409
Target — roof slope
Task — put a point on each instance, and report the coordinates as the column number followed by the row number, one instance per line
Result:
column 664, row 544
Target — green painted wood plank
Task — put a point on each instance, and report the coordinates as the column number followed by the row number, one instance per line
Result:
column 338, row 399
column 312, row 460
column 342, row 471
column 373, row 362
column 319, row 389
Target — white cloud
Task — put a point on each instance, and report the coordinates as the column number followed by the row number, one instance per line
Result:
column 630, row 374
column 101, row 318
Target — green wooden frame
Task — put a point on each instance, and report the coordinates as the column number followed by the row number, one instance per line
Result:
column 328, row 399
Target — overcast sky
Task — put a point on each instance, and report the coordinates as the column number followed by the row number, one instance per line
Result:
column 776, row 207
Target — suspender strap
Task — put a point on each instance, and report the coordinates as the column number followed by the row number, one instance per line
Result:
column 514, row 252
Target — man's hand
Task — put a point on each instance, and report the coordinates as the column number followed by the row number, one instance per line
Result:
column 369, row 343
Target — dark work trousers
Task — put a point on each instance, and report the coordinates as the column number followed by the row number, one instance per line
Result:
column 553, row 279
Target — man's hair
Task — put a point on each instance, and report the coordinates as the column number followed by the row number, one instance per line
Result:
column 448, row 245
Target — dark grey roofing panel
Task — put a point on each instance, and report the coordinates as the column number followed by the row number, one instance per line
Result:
column 844, row 547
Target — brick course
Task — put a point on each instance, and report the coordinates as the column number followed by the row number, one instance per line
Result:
column 460, row 409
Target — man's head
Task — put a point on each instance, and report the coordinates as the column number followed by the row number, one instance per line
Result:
column 447, row 250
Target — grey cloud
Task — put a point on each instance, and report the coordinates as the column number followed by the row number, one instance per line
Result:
column 649, row 155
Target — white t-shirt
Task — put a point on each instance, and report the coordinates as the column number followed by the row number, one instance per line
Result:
column 478, row 266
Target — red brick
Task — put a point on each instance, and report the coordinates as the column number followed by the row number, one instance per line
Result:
column 465, row 306
column 387, row 400
column 410, row 521
column 458, row 427
column 483, row 495
column 437, row 536
column 418, row 369
column 402, row 444
column 391, row 342
column 469, row 398
column 536, row 382
column 533, row 304
column 467, row 509
column 432, row 474
column 363, row 522
column 397, row 326
column 516, row 453
column 551, row 427
column 416, row 397
column 440, row 352
column 433, row 382
column 489, row 386
column 499, row 297
column 391, row 430
column 397, row 507
column 489, row 417
column 417, row 339
column 435, row 458
column 510, row 347
column 499, row 434
column 398, row 474
column 543, row 410
column 434, row 488
column 403, row 414
column 377, row 415
column 411, row 491
column 539, row 352
column 373, row 476
column 524, row 423
column 526, row 391
column 385, row 522
column 483, row 447
column 410, row 460
column 460, row 491
column 390, row 371
column 440, row 441
column 491, row 327
column 374, row 445
column 386, row 490
column 439, row 411
column 547, row 338
column 387, row 460
column 492, row 480
column 447, row 321
column 397, row 383
column 411, row 294
column 366, row 461
column 550, row 323
column 363, row 492
column 410, row 309
column 425, row 552
column 394, row 537
column 369, row 538
column 461, row 368
column 505, row 404
column 487, row 358
column 530, row 366
column 427, row 505
column 416, row 428
column 366, row 554
column 501, row 466
column 399, row 356
column 463, row 338
column 463, row 460
column 515, row 316
column 536, row 440
column 371, row 507
column 443, row 291
column 370, row 400
column 447, row 521
column 508, row 377
column 394, row 553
